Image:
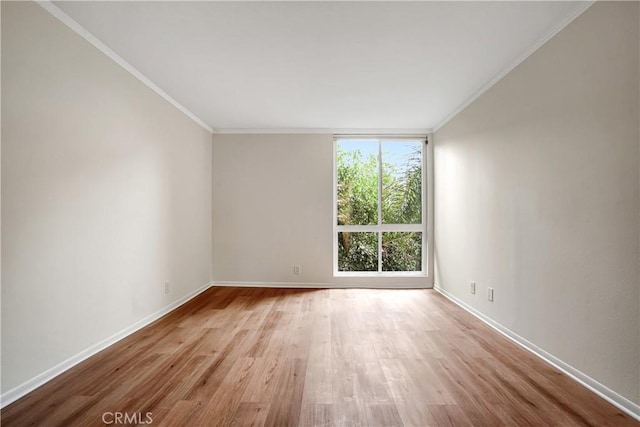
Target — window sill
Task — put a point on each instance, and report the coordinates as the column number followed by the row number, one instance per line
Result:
column 399, row 274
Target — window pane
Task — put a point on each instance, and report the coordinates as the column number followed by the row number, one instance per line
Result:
column 401, row 182
column 402, row 251
column 357, row 192
column 357, row 251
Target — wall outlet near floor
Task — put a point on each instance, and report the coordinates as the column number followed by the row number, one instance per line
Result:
column 490, row 294
column 473, row 287
column 166, row 287
column 296, row 270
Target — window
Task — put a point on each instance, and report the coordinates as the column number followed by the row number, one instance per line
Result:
column 380, row 209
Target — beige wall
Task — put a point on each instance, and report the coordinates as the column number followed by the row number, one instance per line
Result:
column 273, row 209
column 106, row 195
column 537, row 196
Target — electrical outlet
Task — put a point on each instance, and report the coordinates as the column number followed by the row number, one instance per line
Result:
column 473, row 287
column 490, row 294
column 166, row 287
column 296, row 270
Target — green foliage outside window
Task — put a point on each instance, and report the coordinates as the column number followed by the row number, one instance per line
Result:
column 357, row 199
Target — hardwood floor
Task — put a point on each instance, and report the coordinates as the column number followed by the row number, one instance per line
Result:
column 278, row 357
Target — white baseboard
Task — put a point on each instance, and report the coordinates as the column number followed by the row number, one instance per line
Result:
column 601, row 390
column 271, row 284
column 40, row 379
column 309, row 285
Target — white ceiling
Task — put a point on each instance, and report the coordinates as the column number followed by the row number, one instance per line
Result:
column 321, row 65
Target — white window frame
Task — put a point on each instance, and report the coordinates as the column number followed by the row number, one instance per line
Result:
column 427, row 208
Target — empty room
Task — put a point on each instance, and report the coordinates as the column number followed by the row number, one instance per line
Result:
column 320, row 213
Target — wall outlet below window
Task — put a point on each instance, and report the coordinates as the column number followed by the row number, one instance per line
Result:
column 473, row 287
column 296, row 270
column 490, row 294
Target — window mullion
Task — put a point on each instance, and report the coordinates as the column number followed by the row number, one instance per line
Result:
column 379, row 205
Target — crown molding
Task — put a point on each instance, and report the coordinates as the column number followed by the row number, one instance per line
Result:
column 341, row 131
column 82, row 32
column 76, row 27
column 555, row 30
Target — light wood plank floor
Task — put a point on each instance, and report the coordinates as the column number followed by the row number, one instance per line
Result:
column 277, row 357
